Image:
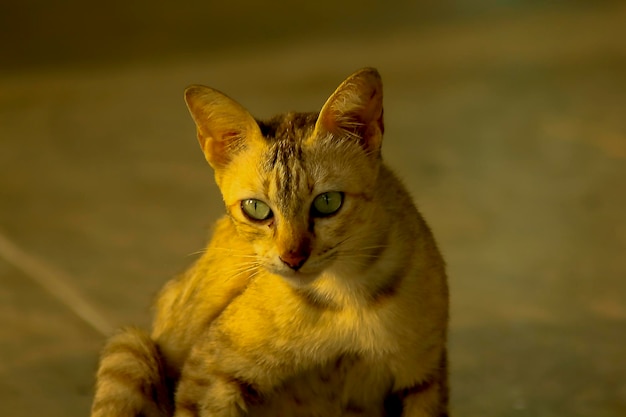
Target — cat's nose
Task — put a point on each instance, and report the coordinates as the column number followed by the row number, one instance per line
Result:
column 294, row 260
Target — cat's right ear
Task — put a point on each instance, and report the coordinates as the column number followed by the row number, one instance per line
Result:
column 223, row 124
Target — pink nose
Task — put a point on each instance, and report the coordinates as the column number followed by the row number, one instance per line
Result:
column 294, row 260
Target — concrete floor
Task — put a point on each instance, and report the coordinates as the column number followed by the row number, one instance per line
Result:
column 509, row 128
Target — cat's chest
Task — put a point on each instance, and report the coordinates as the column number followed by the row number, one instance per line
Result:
column 345, row 386
column 351, row 326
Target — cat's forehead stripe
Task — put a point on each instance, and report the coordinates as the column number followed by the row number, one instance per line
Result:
column 294, row 126
column 288, row 172
column 284, row 159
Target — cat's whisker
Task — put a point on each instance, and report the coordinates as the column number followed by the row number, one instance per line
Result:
column 242, row 269
column 359, row 256
column 373, row 251
column 234, row 252
column 254, row 274
column 244, row 266
column 229, row 249
column 341, row 242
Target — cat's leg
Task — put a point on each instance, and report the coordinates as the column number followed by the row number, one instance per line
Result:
column 206, row 389
column 424, row 400
column 131, row 379
column 428, row 397
column 202, row 394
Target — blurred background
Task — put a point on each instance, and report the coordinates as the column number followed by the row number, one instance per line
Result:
column 506, row 119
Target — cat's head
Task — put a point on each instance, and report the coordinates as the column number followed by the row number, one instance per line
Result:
column 298, row 187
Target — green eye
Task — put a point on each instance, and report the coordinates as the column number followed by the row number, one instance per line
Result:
column 256, row 209
column 327, row 203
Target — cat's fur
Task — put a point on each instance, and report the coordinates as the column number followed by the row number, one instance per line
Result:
column 300, row 314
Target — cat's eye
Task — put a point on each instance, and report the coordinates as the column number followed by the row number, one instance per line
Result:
column 256, row 209
column 327, row 203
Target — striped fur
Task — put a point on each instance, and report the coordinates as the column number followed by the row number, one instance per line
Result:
column 353, row 325
column 131, row 378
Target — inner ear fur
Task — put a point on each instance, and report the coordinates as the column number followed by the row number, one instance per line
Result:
column 355, row 110
column 223, row 125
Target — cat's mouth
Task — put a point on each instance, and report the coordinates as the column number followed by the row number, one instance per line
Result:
column 304, row 275
column 298, row 278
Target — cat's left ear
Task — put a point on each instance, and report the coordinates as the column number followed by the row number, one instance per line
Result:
column 223, row 124
column 355, row 110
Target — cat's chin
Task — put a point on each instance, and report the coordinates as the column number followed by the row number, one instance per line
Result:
column 298, row 278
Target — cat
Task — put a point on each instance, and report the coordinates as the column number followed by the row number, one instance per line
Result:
column 321, row 292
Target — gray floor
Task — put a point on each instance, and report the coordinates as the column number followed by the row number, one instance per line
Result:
column 509, row 127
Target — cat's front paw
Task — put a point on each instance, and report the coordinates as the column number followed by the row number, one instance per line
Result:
column 209, row 396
